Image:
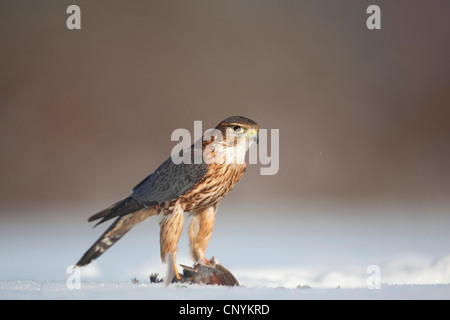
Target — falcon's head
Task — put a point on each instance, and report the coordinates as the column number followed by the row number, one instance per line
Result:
column 232, row 138
column 238, row 130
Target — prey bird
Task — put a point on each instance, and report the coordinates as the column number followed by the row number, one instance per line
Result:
column 195, row 187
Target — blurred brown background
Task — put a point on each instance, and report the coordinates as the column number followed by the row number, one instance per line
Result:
column 363, row 115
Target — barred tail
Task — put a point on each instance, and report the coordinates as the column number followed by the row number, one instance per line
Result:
column 117, row 230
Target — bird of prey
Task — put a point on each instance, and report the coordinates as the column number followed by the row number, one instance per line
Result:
column 195, row 187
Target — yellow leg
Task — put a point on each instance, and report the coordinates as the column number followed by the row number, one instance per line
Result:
column 176, row 272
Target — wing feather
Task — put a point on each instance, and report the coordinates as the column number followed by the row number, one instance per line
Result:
column 170, row 181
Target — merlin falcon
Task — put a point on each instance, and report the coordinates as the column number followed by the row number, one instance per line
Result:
column 195, row 187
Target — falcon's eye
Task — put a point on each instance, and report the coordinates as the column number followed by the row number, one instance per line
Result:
column 238, row 129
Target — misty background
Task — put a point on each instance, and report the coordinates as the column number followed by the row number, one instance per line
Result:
column 363, row 115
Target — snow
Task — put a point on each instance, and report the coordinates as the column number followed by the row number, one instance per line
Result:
column 291, row 252
column 28, row 289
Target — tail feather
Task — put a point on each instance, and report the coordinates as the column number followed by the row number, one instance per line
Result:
column 120, row 208
column 117, row 230
column 106, row 240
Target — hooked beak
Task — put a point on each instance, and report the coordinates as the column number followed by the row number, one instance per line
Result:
column 252, row 135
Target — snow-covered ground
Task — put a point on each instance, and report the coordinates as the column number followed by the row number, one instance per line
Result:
column 27, row 289
column 336, row 250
